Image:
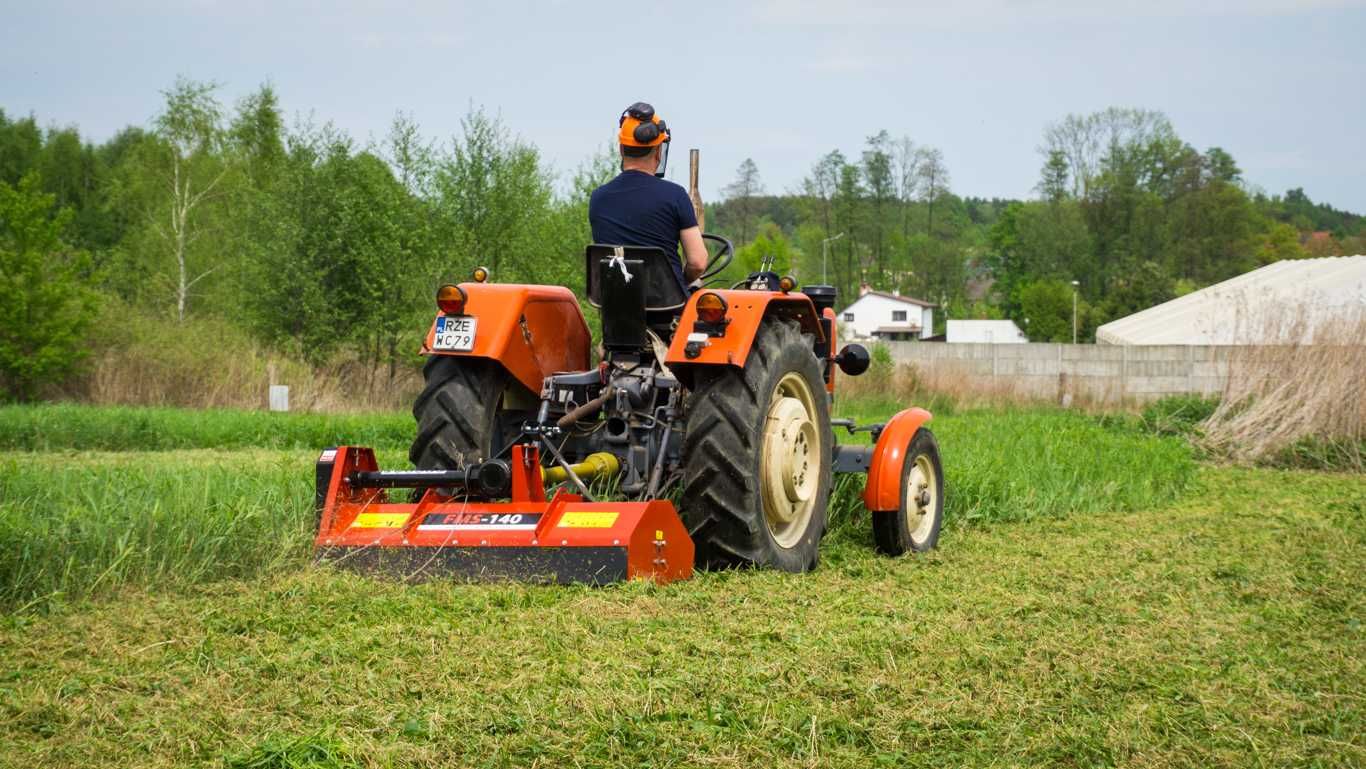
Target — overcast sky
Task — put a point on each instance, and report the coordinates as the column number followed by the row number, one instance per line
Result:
column 1279, row 84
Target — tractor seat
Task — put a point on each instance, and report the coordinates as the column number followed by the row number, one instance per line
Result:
column 648, row 264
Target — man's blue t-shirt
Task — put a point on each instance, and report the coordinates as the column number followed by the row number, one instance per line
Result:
column 640, row 209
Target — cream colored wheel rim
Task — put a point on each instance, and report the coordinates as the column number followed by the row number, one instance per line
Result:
column 790, row 465
column 922, row 496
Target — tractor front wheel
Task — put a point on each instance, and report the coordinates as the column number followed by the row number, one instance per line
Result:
column 915, row 526
column 756, row 456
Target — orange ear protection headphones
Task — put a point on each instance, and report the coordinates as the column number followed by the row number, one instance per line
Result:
column 640, row 127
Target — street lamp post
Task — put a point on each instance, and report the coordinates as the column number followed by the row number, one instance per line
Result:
column 824, row 248
column 1075, row 284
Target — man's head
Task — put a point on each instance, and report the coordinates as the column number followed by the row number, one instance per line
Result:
column 644, row 140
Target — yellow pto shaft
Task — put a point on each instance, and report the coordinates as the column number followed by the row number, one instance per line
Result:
column 600, row 465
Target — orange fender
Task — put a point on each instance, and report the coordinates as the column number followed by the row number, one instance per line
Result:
column 745, row 310
column 883, row 490
column 533, row 331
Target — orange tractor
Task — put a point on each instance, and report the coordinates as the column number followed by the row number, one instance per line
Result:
column 719, row 400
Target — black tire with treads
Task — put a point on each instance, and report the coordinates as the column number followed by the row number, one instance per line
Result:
column 892, row 530
column 457, row 412
column 722, row 504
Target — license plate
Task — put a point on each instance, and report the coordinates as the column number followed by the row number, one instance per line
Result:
column 454, row 333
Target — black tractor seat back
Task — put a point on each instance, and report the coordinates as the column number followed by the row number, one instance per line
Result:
column 648, row 264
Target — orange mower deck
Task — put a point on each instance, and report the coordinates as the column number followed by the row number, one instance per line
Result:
column 447, row 532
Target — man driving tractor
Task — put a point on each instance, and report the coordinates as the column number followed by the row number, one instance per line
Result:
column 640, row 208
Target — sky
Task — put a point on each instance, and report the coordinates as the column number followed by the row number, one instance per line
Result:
column 1279, row 84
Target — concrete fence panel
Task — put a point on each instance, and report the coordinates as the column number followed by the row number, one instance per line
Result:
column 1105, row 373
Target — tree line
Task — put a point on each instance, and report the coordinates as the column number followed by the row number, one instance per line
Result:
column 319, row 244
column 322, row 245
column 1123, row 206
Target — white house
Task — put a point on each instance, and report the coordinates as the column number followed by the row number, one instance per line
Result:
column 880, row 315
column 1280, row 303
column 984, row 331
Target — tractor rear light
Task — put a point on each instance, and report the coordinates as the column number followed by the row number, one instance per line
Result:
column 480, row 274
column 711, row 309
column 451, row 299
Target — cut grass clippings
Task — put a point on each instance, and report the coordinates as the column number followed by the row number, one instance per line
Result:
column 1224, row 631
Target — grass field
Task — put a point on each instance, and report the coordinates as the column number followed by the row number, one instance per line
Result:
column 1097, row 600
column 75, row 524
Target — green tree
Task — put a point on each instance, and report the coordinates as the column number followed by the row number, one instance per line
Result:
column 770, row 243
column 21, row 145
column 847, row 206
column 881, row 186
column 741, row 194
column 42, row 292
column 1053, row 184
column 819, row 189
column 490, row 195
column 1046, row 305
column 189, row 163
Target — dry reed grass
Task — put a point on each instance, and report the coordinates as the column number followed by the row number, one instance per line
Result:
column 1299, row 402
column 947, row 385
column 214, row 364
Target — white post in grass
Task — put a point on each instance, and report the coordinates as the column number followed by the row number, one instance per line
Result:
column 1075, row 284
column 279, row 397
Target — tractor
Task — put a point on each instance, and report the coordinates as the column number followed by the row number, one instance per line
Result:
column 706, row 420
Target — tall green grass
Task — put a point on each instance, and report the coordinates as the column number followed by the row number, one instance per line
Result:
column 1018, row 464
column 72, row 526
column 135, row 428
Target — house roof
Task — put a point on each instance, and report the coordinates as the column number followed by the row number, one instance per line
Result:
column 909, row 328
column 1289, row 297
column 895, row 297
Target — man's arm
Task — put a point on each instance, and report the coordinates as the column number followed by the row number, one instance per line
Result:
column 694, row 253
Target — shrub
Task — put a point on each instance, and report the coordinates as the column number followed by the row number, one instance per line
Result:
column 1178, row 414
column 41, row 292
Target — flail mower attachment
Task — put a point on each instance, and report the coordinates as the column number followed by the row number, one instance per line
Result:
column 455, row 529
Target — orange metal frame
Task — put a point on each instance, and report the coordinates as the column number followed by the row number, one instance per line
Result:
column 656, row 544
column 745, row 310
column 533, row 331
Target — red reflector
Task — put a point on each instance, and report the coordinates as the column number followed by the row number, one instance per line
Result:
column 451, row 299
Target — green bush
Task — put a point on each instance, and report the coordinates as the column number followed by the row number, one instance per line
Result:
column 1178, row 414
column 40, row 291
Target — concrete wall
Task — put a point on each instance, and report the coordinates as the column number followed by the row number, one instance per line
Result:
column 1096, row 372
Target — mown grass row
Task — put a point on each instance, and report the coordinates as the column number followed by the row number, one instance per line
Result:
column 76, row 524
column 1223, row 631
column 52, row 427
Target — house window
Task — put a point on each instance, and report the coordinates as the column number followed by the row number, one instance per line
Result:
column 849, row 316
column 898, row 316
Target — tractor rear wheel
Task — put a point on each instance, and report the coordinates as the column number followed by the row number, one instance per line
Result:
column 756, row 456
column 458, row 412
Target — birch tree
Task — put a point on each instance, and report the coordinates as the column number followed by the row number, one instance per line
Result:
column 191, row 131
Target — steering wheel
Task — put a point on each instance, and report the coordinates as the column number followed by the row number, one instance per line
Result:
column 721, row 260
